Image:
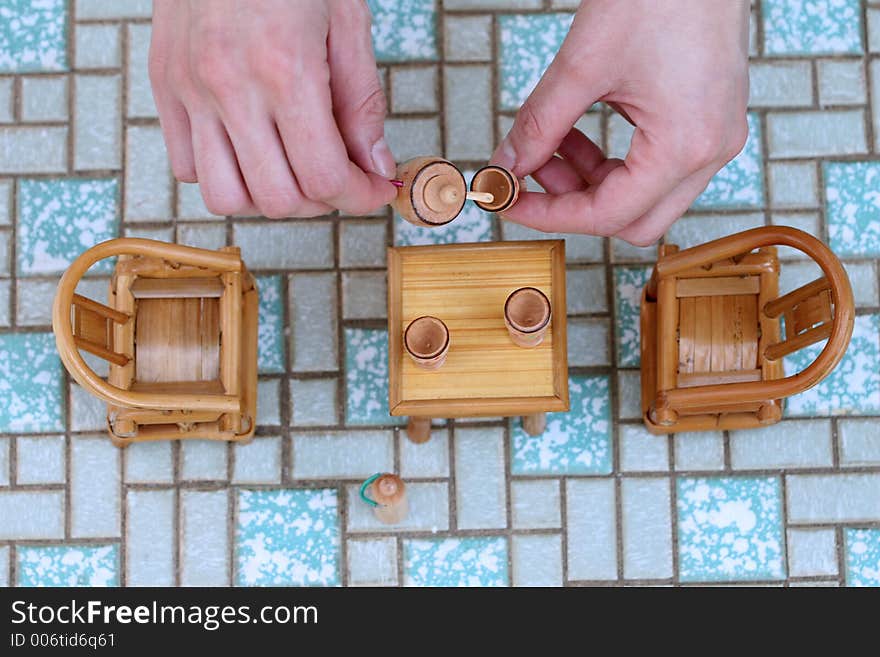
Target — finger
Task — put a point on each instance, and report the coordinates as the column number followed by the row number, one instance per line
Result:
column 558, row 176
column 264, row 166
column 317, row 154
column 358, row 100
column 569, row 86
column 583, row 154
column 219, row 177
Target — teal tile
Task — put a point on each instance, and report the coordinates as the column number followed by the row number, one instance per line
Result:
column 577, row 442
column 366, row 377
column 30, row 384
column 852, row 211
column 529, row 42
column 456, row 562
column 628, row 285
column 740, row 184
column 853, row 388
column 68, row 565
column 862, row 557
column 812, row 27
column 730, row 529
column 59, row 219
column 404, row 31
column 287, row 537
column 33, row 35
column 270, row 334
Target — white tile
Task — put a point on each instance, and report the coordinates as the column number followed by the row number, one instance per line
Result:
column 97, row 46
column 286, row 245
column 94, row 487
column 313, row 316
column 812, row 552
column 258, row 462
column 695, row 229
column 537, row 560
column 647, row 528
column 40, row 459
column 4, row 461
column 468, row 38
column 619, row 135
column 190, row 204
column 788, row 444
column 414, row 89
column 372, row 562
column 875, row 93
column 149, row 462
column 805, row 221
column 578, row 248
column 314, row 402
column 642, row 451
column 147, row 175
column 6, row 100
column 833, row 498
column 5, row 251
column 44, row 98
column 623, row 251
column 585, row 290
column 35, row 298
column 592, row 529
column 468, row 116
column 362, row 242
column 777, row 84
column 268, row 402
column 793, row 185
column 4, row 566
column 629, row 394
column 5, row 202
column 150, row 538
column 90, row 9
column 816, row 134
column 428, row 510
column 203, row 460
column 480, row 490
column 87, row 412
column 28, row 514
column 859, row 444
column 428, row 459
column 140, row 94
column 492, row 4
column 33, row 149
column 874, row 30
column 535, row 503
column 408, row 138
column 702, row 450
column 204, row 553
column 97, row 131
column 588, row 342
column 342, row 454
column 163, row 234
column 204, row 236
column 5, row 288
column 863, row 278
column 841, row 82
column 364, row 295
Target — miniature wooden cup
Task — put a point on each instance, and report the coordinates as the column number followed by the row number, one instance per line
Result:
column 527, row 316
column 500, row 183
column 389, row 494
column 433, row 192
column 426, row 340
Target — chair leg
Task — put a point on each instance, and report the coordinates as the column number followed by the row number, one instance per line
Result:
column 534, row 424
column 418, row 429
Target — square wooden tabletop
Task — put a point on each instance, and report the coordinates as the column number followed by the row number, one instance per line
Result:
column 466, row 285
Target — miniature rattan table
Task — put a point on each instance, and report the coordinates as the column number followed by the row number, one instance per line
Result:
column 485, row 374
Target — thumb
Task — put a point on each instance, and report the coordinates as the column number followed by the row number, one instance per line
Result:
column 564, row 93
column 358, row 100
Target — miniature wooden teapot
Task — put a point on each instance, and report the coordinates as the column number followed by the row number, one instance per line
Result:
column 432, row 191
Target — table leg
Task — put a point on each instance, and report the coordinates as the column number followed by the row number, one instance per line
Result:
column 418, row 429
column 534, row 424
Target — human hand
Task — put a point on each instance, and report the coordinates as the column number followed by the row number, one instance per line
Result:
column 678, row 71
column 274, row 107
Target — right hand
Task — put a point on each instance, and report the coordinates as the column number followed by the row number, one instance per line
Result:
column 274, row 107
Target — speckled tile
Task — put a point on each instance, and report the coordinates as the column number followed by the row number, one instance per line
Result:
column 30, row 381
column 68, row 565
column 404, row 32
column 730, row 528
column 577, row 442
column 811, row 27
column 862, row 557
column 853, row 388
column 528, row 44
column 33, row 36
column 455, row 562
column 287, row 537
column 366, row 377
column 628, row 285
column 740, row 184
column 852, row 190
column 59, row 219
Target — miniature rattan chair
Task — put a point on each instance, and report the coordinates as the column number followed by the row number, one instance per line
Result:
column 711, row 331
column 180, row 337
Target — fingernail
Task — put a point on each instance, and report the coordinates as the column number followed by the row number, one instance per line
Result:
column 505, row 155
column 383, row 160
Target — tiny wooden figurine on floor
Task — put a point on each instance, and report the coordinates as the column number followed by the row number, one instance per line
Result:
column 179, row 333
column 711, row 330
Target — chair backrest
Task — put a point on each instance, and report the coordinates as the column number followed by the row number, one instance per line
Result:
column 86, row 330
column 821, row 309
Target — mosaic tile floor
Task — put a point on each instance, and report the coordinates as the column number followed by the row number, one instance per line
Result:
column 594, row 500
